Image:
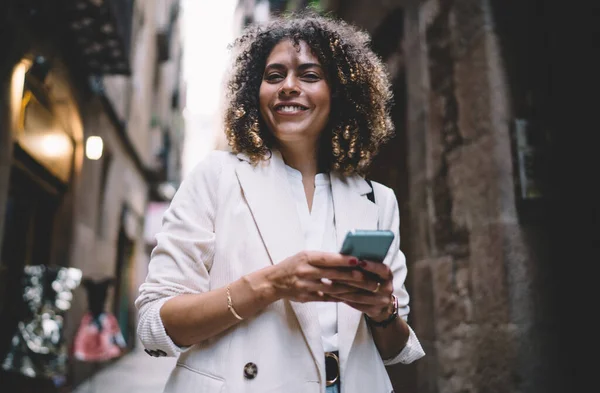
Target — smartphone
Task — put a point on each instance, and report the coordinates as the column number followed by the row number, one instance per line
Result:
column 364, row 244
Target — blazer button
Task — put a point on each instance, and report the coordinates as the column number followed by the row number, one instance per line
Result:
column 250, row 370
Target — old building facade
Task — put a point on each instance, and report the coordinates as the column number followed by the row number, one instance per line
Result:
column 70, row 71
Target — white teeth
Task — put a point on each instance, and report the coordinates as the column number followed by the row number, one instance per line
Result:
column 290, row 108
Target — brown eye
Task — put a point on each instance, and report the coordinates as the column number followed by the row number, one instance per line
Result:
column 311, row 76
column 273, row 77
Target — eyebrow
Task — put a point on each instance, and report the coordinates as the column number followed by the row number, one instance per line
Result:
column 302, row 66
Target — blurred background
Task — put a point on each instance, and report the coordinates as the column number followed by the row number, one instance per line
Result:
column 106, row 105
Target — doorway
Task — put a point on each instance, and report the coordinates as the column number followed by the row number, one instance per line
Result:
column 31, row 208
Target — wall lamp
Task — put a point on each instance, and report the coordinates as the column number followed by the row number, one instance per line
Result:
column 93, row 147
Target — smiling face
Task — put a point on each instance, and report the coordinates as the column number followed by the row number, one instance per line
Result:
column 295, row 98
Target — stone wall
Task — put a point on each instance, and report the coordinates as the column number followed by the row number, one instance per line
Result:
column 477, row 296
column 479, row 275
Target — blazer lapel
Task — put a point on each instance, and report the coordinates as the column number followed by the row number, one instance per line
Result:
column 268, row 194
column 353, row 210
column 267, row 191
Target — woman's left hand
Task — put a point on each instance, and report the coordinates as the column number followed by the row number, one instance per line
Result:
column 375, row 297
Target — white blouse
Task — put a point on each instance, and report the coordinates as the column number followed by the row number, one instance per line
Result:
column 318, row 226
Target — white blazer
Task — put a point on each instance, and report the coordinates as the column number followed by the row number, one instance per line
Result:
column 230, row 218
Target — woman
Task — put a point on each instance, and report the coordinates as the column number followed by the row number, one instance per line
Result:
column 246, row 284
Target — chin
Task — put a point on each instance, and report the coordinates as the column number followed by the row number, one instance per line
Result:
column 288, row 135
column 294, row 131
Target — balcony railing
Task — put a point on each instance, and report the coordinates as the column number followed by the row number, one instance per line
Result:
column 96, row 33
column 101, row 30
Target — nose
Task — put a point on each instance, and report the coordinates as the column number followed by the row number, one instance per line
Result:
column 289, row 86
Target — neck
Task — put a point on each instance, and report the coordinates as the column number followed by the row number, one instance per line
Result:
column 302, row 157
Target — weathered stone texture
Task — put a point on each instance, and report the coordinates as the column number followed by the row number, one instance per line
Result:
column 489, row 276
column 419, row 236
column 422, row 313
column 417, row 82
column 443, row 137
column 469, row 20
column 473, row 184
column 479, row 288
column 427, row 370
column 454, row 324
column 473, row 92
column 501, row 116
column 422, row 319
column 496, row 358
column 443, row 317
column 451, row 303
column 470, row 183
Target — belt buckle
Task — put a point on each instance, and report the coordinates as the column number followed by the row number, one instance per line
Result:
column 334, row 357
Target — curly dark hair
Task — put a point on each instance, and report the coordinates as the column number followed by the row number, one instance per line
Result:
column 359, row 121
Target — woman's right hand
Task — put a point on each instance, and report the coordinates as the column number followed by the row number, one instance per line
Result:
column 312, row 275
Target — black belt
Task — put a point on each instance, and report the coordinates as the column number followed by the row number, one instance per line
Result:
column 332, row 368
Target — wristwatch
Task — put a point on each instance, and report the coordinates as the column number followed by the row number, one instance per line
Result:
column 389, row 319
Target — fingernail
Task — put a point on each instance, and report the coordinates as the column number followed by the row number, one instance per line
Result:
column 363, row 263
column 353, row 261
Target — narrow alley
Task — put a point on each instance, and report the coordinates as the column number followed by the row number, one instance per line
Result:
column 467, row 115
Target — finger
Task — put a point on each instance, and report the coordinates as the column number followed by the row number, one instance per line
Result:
column 363, row 298
column 323, row 297
column 335, row 287
column 366, row 285
column 371, row 285
column 343, row 274
column 360, row 307
column 315, row 297
column 380, row 269
column 324, row 286
column 306, row 271
column 338, row 288
column 329, row 259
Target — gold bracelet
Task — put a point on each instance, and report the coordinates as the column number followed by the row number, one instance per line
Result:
column 230, row 306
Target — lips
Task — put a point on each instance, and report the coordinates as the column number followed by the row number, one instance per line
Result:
column 290, row 108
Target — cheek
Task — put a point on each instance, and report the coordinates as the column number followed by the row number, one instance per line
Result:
column 263, row 98
column 325, row 98
column 325, row 102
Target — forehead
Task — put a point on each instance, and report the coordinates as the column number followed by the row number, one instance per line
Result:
column 285, row 52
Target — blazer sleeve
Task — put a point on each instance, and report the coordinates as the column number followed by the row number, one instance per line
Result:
column 389, row 218
column 181, row 260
